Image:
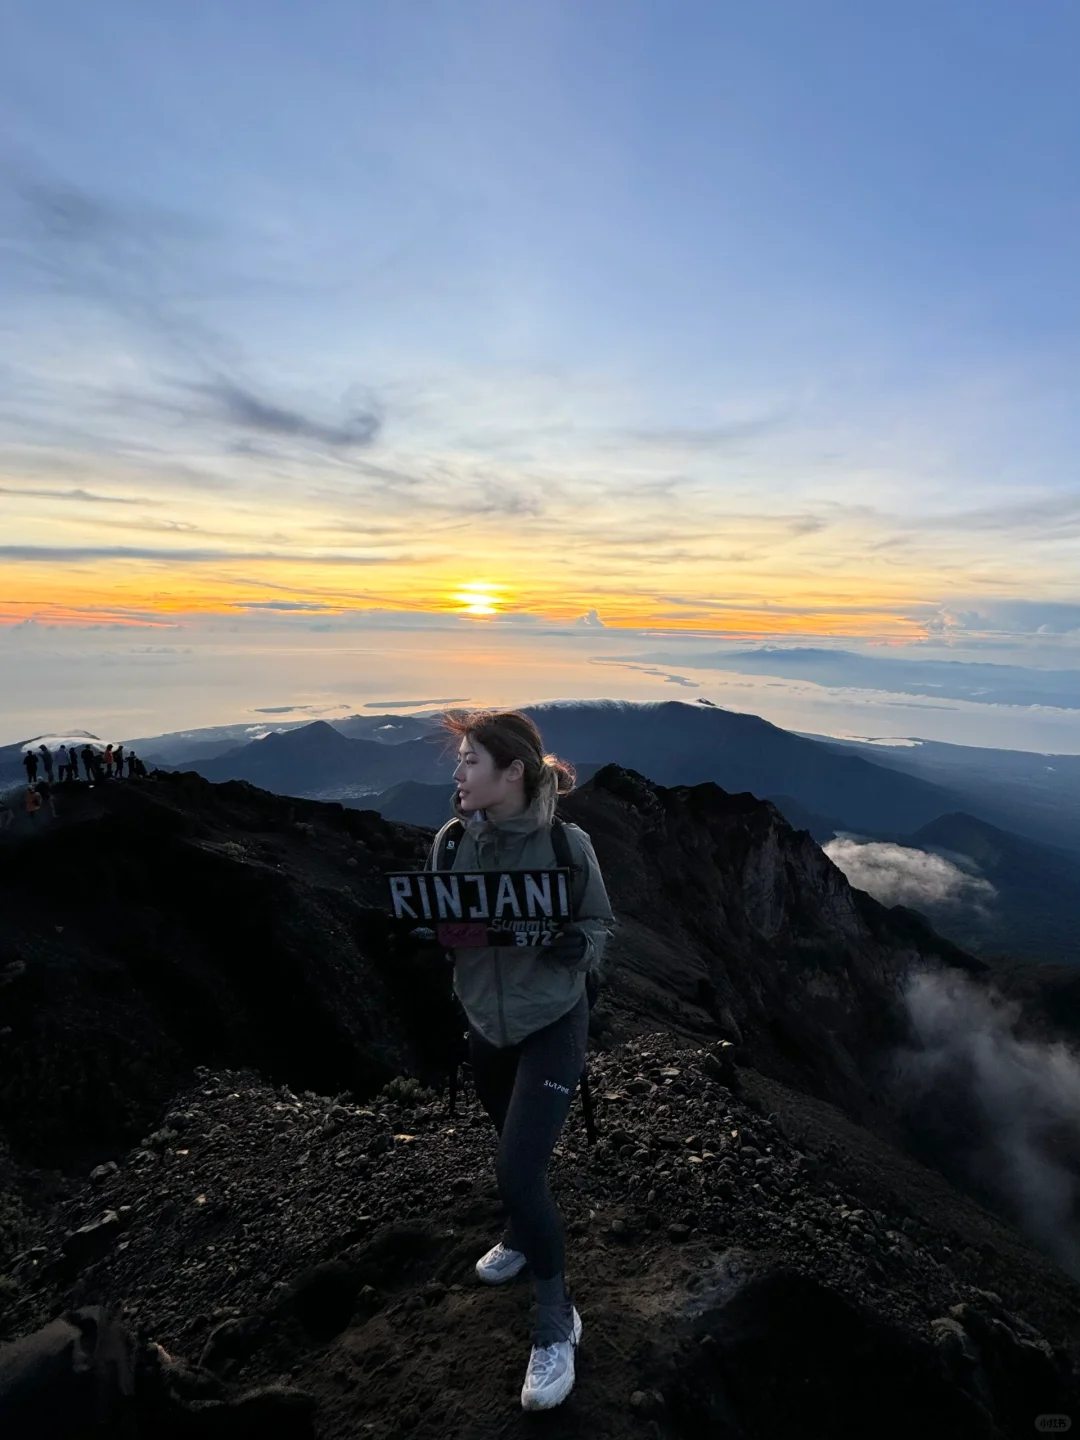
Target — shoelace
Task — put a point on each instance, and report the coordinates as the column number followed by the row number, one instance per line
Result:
column 543, row 1360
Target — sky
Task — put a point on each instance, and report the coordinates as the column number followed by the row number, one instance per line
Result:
column 488, row 348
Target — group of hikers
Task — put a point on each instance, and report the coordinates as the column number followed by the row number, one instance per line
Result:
column 42, row 765
column 98, row 765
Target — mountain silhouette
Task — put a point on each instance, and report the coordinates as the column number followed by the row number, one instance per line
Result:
column 673, row 742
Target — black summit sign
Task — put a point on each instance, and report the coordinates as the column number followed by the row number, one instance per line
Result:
column 488, row 907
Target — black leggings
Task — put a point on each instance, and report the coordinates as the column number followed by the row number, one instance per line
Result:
column 527, row 1090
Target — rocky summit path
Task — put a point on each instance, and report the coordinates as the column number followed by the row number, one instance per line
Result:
column 306, row 1266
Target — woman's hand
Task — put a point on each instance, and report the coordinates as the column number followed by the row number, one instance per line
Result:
column 569, row 944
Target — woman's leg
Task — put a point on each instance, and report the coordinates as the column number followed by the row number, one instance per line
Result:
column 547, row 1076
column 494, row 1070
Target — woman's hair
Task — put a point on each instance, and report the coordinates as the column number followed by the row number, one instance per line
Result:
column 509, row 735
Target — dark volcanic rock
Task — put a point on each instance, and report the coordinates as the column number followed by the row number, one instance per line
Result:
column 197, row 924
column 223, row 925
column 268, row 1256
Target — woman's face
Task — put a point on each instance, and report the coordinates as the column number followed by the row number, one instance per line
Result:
column 480, row 784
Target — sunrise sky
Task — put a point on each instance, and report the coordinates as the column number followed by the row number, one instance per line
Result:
column 495, row 342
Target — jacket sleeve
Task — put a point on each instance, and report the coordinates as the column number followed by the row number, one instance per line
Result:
column 593, row 911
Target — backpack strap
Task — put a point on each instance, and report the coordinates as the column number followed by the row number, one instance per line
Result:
column 564, row 859
column 445, row 845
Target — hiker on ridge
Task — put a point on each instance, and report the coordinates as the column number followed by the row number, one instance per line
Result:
column 63, row 760
column 30, row 760
column 47, row 761
column 528, row 1013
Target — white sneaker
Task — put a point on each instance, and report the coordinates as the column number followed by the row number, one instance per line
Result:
column 550, row 1376
column 500, row 1264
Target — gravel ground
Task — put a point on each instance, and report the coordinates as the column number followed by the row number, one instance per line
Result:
column 726, row 1277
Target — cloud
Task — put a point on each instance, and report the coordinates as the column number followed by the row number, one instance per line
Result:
column 708, row 437
column 964, row 620
column 239, row 405
column 83, row 495
column 1053, row 515
column 133, row 261
column 286, row 605
column 591, row 621
column 412, row 704
column 900, row 875
column 188, row 557
column 997, row 1108
column 279, row 709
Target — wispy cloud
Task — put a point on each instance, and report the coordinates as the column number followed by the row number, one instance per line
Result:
column 1053, row 515
column 284, row 605
column 191, row 556
column 85, row 496
column 413, row 704
column 728, row 435
column 1001, row 1108
column 901, row 875
column 137, row 263
column 239, row 405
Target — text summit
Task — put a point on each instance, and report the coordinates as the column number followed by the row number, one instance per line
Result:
column 443, row 895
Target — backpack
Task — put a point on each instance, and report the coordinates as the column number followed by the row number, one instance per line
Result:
column 564, row 859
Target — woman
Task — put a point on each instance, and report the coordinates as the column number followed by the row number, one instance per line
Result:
column 528, row 1014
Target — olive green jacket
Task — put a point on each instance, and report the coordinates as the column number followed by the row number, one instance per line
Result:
column 508, row 992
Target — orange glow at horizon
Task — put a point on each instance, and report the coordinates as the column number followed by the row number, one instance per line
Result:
column 292, row 593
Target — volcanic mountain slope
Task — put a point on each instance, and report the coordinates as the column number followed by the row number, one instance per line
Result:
column 223, row 927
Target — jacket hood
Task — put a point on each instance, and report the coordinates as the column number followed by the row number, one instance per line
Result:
column 538, row 814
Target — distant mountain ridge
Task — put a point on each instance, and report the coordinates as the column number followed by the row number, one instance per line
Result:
column 1034, row 794
column 673, row 742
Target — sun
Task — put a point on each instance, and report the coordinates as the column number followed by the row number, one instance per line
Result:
column 478, row 598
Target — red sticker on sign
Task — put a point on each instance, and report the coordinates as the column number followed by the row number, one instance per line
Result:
column 464, row 934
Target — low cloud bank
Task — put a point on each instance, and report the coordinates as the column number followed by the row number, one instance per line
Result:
column 1001, row 1110
column 900, row 875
